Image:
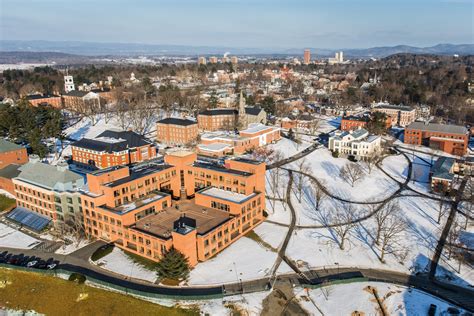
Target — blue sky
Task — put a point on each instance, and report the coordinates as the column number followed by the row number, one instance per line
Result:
column 242, row 23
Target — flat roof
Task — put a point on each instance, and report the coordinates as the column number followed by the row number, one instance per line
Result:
column 226, row 195
column 214, row 147
column 147, row 199
column 162, row 224
column 219, row 168
column 139, row 173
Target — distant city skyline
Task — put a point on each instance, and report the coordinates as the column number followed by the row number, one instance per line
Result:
column 245, row 23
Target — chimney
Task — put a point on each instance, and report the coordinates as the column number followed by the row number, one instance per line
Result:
column 34, row 158
column 62, row 166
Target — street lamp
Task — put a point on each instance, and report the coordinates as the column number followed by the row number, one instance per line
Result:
column 337, row 264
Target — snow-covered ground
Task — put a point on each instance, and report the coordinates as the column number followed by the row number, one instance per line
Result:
column 372, row 187
column 344, row 299
column 288, row 148
column 245, row 259
column 75, row 245
column 250, row 304
column 117, row 261
column 10, row 237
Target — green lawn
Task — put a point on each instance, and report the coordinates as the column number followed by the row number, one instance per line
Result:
column 53, row 296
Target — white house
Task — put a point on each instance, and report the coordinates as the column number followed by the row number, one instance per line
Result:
column 357, row 143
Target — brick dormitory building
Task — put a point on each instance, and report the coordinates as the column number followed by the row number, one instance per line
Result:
column 112, row 148
column 176, row 131
column 134, row 208
column 452, row 139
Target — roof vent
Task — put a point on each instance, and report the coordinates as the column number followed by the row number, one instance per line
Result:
column 34, row 158
column 62, row 166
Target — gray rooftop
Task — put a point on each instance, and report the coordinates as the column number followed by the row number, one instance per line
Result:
column 50, row 177
column 6, row 146
column 442, row 128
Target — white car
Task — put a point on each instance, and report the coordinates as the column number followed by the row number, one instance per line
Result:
column 31, row 263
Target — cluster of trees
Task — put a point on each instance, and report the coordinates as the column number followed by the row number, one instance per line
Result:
column 440, row 82
column 26, row 124
column 18, row 83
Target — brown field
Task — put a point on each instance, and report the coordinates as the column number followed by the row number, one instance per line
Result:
column 53, row 296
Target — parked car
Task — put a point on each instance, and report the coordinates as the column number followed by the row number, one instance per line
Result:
column 31, row 264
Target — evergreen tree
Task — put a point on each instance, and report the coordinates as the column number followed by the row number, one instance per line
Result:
column 174, row 265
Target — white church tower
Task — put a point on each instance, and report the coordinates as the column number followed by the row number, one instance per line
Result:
column 68, row 83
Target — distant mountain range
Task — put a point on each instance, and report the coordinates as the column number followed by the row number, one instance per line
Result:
column 131, row 49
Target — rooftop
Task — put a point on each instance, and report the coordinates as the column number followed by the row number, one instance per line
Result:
column 139, row 172
column 6, row 146
column 442, row 168
column 226, row 195
column 162, row 224
column 112, row 141
column 177, row 121
column 219, row 168
column 257, row 127
column 214, row 147
column 441, row 128
column 224, row 111
column 47, row 176
column 395, row 107
column 147, row 199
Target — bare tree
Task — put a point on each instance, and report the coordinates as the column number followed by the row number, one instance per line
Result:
column 318, row 194
column 302, row 167
column 382, row 216
column 452, row 238
column 391, row 234
column 372, row 160
column 351, row 173
column 313, row 126
column 344, row 217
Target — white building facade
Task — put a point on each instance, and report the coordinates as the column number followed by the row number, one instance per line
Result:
column 357, row 143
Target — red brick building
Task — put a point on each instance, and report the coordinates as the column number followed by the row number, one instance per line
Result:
column 11, row 153
column 53, row 100
column 176, row 131
column 452, row 139
column 133, row 208
column 112, row 148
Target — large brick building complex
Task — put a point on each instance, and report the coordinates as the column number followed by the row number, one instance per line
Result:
column 452, row 139
column 133, row 207
column 112, row 148
column 176, row 131
column 11, row 153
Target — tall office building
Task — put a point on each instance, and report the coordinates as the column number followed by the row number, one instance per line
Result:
column 307, row 56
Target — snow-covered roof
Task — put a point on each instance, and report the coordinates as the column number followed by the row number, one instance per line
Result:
column 214, row 147
column 226, row 195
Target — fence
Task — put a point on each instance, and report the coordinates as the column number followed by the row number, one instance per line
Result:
column 140, row 290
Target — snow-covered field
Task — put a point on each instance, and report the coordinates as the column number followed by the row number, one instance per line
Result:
column 288, row 147
column 372, row 187
column 245, row 259
column 348, row 298
column 10, row 237
column 117, row 261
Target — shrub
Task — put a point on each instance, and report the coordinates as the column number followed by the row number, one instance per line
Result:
column 77, row 277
